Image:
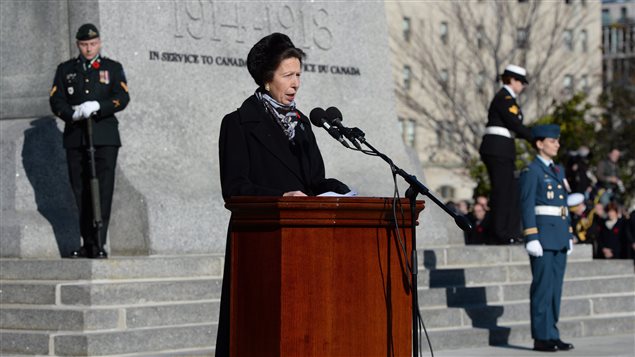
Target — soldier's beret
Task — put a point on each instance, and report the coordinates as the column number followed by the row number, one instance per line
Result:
column 546, row 131
column 575, row 199
column 265, row 56
column 87, row 32
column 516, row 72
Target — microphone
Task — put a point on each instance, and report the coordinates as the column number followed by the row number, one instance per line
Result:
column 334, row 117
column 317, row 117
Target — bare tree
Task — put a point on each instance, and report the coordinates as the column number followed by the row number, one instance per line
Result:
column 455, row 76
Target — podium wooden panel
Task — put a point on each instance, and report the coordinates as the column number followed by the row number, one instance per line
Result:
column 319, row 276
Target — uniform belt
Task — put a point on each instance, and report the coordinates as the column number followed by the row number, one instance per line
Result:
column 551, row 211
column 498, row 130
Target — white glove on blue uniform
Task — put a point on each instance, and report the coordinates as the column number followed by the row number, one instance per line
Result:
column 570, row 247
column 534, row 248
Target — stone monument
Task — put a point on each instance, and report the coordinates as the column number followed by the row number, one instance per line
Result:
column 185, row 65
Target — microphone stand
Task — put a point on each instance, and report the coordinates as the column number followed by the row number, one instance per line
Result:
column 416, row 187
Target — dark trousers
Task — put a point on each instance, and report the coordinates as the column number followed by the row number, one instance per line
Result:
column 546, row 292
column 79, row 175
column 504, row 200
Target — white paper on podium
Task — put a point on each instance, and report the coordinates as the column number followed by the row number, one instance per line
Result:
column 350, row 193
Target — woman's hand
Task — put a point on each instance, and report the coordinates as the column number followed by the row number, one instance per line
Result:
column 608, row 253
column 295, row 194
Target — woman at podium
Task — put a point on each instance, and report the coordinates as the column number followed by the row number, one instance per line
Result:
column 266, row 146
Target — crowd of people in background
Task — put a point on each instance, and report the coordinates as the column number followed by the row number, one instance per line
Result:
column 596, row 207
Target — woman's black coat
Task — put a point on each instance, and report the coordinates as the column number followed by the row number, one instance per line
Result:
column 257, row 159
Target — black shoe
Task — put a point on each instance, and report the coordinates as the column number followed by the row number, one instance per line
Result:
column 545, row 346
column 80, row 253
column 562, row 346
column 100, row 255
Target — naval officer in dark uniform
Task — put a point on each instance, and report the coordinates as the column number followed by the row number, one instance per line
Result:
column 548, row 235
column 498, row 152
column 90, row 84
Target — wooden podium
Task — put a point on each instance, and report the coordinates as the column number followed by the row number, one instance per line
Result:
column 320, row 276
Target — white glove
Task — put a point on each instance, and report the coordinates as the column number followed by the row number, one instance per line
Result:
column 89, row 108
column 570, row 247
column 77, row 114
column 534, row 248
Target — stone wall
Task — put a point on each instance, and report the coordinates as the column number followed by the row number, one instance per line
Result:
column 184, row 63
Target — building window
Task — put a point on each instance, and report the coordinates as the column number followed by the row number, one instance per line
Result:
column 521, row 38
column 444, row 76
column 480, row 36
column 410, row 132
column 623, row 13
column 443, row 132
column 584, row 83
column 568, row 2
column 567, row 84
column 480, row 82
column 406, row 29
column 584, row 41
column 446, row 192
column 567, row 37
column 407, row 128
column 407, row 76
column 443, row 31
column 606, row 17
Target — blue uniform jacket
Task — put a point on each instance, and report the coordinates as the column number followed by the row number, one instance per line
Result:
column 540, row 186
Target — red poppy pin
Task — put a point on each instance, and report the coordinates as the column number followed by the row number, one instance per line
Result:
column 479, row 229
column 616, row 230
column 95, row 65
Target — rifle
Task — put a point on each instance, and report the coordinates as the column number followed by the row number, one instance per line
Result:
column 94, row 184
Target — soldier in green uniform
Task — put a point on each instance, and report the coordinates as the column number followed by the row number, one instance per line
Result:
column 548, row 235
column 85, row 86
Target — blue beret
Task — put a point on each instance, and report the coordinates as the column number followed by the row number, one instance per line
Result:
column 546, row 131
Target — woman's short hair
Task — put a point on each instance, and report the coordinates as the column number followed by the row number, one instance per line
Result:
column 265, row 56
column 612, row 206
column 506, row 79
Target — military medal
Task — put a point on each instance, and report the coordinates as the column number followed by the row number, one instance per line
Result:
column 104, row 77
column 71, row 90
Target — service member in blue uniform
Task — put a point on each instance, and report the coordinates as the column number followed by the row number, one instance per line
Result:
column 548, row 236
column 498, row 152
column 90, row 84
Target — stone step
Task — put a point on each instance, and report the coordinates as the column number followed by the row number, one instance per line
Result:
column 578, row 287
column 517, row 272
column 482, row 255
column 461, row 296
column 198, row 352
column 146, row 341
column 113, row 268
column 55, row 318
column 491, row 315
column 520, row 333
column 109, row 293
